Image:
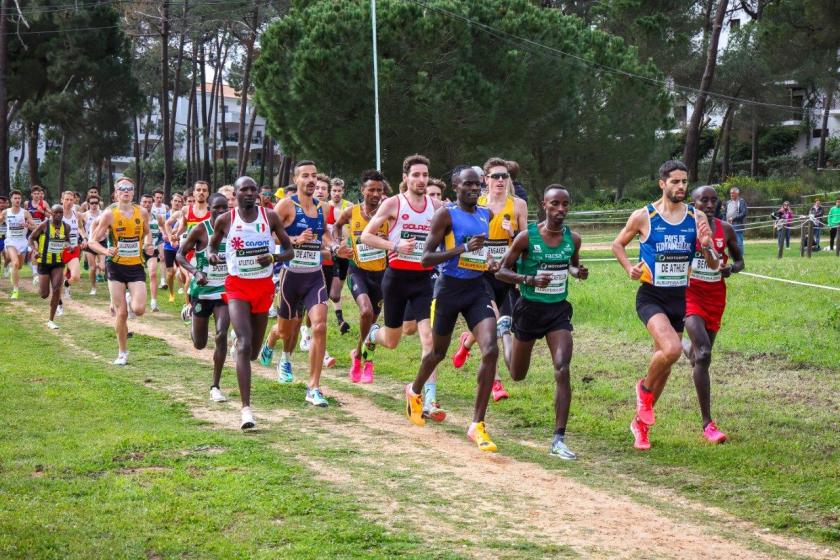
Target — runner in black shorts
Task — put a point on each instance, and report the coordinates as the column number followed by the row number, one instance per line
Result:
column 47, row 243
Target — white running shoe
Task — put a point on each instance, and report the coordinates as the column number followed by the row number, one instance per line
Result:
column 232, row 344
column 272, row 312
column 305, row 338
column 216, row 395
column 52, row 325
column 329, row 361
column 35, row 279
column 122, row 359
column 247, row 418
column 59, row 311
column 92, row 292
column 154, row 306
column 162, row 284
column 67, row 294
column 180, row 291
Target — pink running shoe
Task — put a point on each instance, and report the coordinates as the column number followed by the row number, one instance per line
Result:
column 329, row 361
column 356, row 367
column 640, row 434
column 499, row 392
column 644, row 405
column 367, row 373
column 460, row 357
column 712, row 434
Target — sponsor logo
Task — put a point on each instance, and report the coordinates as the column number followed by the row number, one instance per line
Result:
column 537, row 249
column 237, row 243
column 420, row 227
column 405, row 216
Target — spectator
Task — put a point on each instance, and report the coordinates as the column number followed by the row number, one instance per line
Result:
column 518, row 188
column 784, row 215
column 834, row 222
column 736, row 214
column 817, row 213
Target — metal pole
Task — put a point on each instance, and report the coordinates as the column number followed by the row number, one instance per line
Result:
column 375, row 83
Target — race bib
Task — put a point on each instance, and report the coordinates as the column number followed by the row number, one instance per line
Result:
column 559, row 276
column 671, row 270
column 246, row 262
column 16, row 231
column 128, row 247
column 496, row 247
column 364, row 253
column 74, row 239
column 307, row 255
column 701, row 271
column 56, row 246
column 419, row 246
column 473, row 260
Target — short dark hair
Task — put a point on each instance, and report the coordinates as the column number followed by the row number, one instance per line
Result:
column 36, row 188
column 93, row 188
column 302, row 163
column 414, row 159
column 215, row 195
column 435, row 182
column 513, row 168
column 201, row 182
column 290, row 188
column 372, row 175
column 158, row 191
column 670, row 166
column 323, row 177
column 15, row 192
column 146, row 195
column 555, row 186
column 188, row 192
column 238, row 183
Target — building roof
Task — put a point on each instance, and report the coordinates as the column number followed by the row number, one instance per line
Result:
column 227, row 90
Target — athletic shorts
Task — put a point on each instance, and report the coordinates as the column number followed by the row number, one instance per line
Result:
column 300, row 292
column 532, row 320
column 46, row 269
column 499, row 291
column 125, row 273
column 205, row 307
column 367, row 282
column 21, row 246
column 155, row 255
column 706, row 300
column 457, row 296
column 329, row 274
column 403, row 287
column 341, row 267
column 651, row 300
column 258, row 292
column 169, row 257
column 71, row 253
column 2, row 244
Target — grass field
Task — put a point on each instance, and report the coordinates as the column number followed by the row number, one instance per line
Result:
column 98, row 462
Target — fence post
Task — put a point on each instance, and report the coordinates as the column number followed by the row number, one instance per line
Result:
column 810, row 238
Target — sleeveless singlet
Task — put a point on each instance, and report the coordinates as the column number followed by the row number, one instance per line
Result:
column 192, row 220
column 365, row 257
column 411, row 223
column 499, row 239
column 542, row 257
column 73, row 223
column 38, row 213
column 126, row 235
column 329, row 219
column 246, row 241
column 216, row 273
column 700, row 271
column 466, row 225
column 667, row 250
column 16, row 228
column 51, row 244
column 307, row 256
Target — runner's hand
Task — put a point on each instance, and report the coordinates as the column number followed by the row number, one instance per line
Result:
column 344, row 252
column 582, row 272
column 542, row 279
column 635, row 271
column 215, row 258
column 704, row 234
column 149, row 250
column 506, row 225
column 201, row 277
column 726, row 271
column 406, row 246
column 111, row 252
column 265, row 259
column 306, row 236
column 493, row 266
column 475, row 243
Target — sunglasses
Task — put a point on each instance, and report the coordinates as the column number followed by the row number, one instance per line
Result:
column 499, row 175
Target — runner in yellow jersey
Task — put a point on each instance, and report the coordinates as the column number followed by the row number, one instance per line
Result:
column 48, row 242
column 510, row 216
column 367, row 267
column 338, row 204
column 127, row 226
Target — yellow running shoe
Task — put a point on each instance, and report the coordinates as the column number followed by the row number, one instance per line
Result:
column 171, row 298
column 414, row 407
column 478, row 433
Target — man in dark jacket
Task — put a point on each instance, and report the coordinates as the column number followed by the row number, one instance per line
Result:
column 736, row 214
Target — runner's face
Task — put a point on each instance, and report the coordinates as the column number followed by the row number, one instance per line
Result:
column 231, row 198
column 16, row 200
column 499, row 184
column 201, row 192
column 93, row 204
column 706, row 201
column 57, row 214
column 434, row 192
column 68, row 199
column 468, row 187
column 675, row 186
column 556, row 204
column 190, row 200
column 177, row 202
column 336, row 192
column 158, row 198
column 146, row 202
column 306, row 180
column 220, row 206
column 3, row 204
column 125, row 196
column 93, row 192
column 373, row 192
column 321, row 189
column 37, row 196
column 246, row 195
column 417, row 178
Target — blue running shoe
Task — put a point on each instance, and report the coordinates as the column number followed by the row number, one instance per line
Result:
column 284, row 371
column 316, row 398
column 559, row 449
column 266, row 354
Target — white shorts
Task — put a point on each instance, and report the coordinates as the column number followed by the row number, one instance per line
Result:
column 21, row 246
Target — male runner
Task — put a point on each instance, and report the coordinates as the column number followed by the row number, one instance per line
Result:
column 540, row 260
column 367, row 268
column 510, row 216
column 48, row 242
column 668, row 230
column 78, row 241
column 435, row 189
column 127, row 227
column 159, row 209
column 228, row 191
column 96, row 262
column 337, row 205
column 705, row 301
column 206, row 289
column 248, row 233
column 40, row 211
column 462, row 228
column 91, row 192
column 18, row 223
column 190, row 216
column 170, row 243
column 4, row 271
column 156, row 228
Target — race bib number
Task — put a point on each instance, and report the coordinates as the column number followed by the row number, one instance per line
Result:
column 671, row 270
column 365, row 253
column 16, row 231
column 419, row 246
column 701, row 271
column 307, row 255
column 216, row 274
column 247, row 264
column 496, row 247
column 559, row 277
column 56, row 246
column 473, row 260
column 128, row 247
column 74, row 239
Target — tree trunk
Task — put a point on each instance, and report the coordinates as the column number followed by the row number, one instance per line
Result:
column 5, row 7
column 217, row 102
column 110, row 182
column 262, row 160
column 247, row 154
column 754, row 147
column 205, row 145
column 724, row 124
column 724, row 166
column 138, row 180
column 62, row 164
column 246, row 84
column 692, row 137
column 271, row 162
column 829, row 98
column 32, row 133
column 99, row 176
column 164, row 102
column 19, row 163
column 224, row 138
column 176, row 87
column 188, row 137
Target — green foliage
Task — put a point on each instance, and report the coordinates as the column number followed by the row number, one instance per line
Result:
column 773, row 190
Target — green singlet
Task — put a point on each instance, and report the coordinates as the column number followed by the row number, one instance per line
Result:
column 216, row 273
column 540, row 257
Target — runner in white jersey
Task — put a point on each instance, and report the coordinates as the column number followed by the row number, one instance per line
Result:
column 156, row 229
column 95, row 261
column 18, row 222
column 407, row 281
column 73, row 252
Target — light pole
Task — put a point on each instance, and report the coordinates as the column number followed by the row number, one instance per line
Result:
column 375, row 85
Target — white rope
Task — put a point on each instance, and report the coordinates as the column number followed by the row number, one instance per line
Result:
column 790, row 281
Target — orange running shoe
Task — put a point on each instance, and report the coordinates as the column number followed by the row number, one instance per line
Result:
column 414, row 407
column 499, row 391
column 644, row 405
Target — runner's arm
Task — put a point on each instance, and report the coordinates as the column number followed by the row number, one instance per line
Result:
column 619, row 245
column 386, row 211
column 220, row 230
column 196, row 239
column 704, row 235
column 577, row 270
column 103, row 222
column 338, row 226
column 507, row 270
column 148, row 246
column 30, row 223
column 33, row 238
column 276, row 224
column 736, row 257
column 441, row 225
column 521, row 208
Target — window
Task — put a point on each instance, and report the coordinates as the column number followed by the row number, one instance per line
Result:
column 797, row 100
column 817, row 133
column 734, row 24
column 259, row 135
column 224, row 108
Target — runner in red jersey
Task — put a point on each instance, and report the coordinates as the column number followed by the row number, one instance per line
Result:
column 705, row 301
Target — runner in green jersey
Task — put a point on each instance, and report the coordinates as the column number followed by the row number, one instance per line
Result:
column 206, row 289
column 549, row 253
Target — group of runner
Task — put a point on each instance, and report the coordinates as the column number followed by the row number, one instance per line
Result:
column 415, row 260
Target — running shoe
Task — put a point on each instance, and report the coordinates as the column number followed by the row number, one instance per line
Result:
column 344, row 327
column 15, row 293
column 232, row 344
column 284, row 371
column 186, row 313
column 644, row 405
column 153, row 305
column 316, row 398
column 367, row 372
column 371, row 337
column 171, row 298
column 52, row 325
column 499, row 392
column 272, row 312
column 414, row 407
column 560, row 449
column 216, row 395
column 640, row 434
column 100, row 277
column 433, row 411
column 478, row 434
column 712, row 434
column 503, row 325
column 247, row 419
column 67, row 294
column 355, row 373
column 92, row 292
column 329, row 361
column 35, row 280
column 162, row 284
column 305, row 338
column 122, row 359
column 460, row 357
column 180, row 291
column 59, row 311
column 266, row 355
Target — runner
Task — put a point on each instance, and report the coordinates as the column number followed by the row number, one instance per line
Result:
column 170, row 244
column 190, row 216
column 336, row 284
column 18, row 223
column 127, row 227
column 510, row 216
column 540, row 260
column 228, row 191
column 48, row 243
column 206, row 289
column 156, row 228
column 367, row 268
column 78, row 240
column 462, row 228
column 39, row 210
column 248, row 232
column 4, row 265
column 95, row 262
column 435, row 189
column 91, row 192
column 668, row 230
column 705, row 301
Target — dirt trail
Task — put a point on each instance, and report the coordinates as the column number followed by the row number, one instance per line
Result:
column 403, row 473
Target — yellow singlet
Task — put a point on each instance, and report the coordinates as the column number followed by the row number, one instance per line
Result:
column 126, row 236
column 499, row 239
column 364, row 257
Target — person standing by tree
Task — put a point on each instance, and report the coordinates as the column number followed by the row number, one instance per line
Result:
column 736, row 214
